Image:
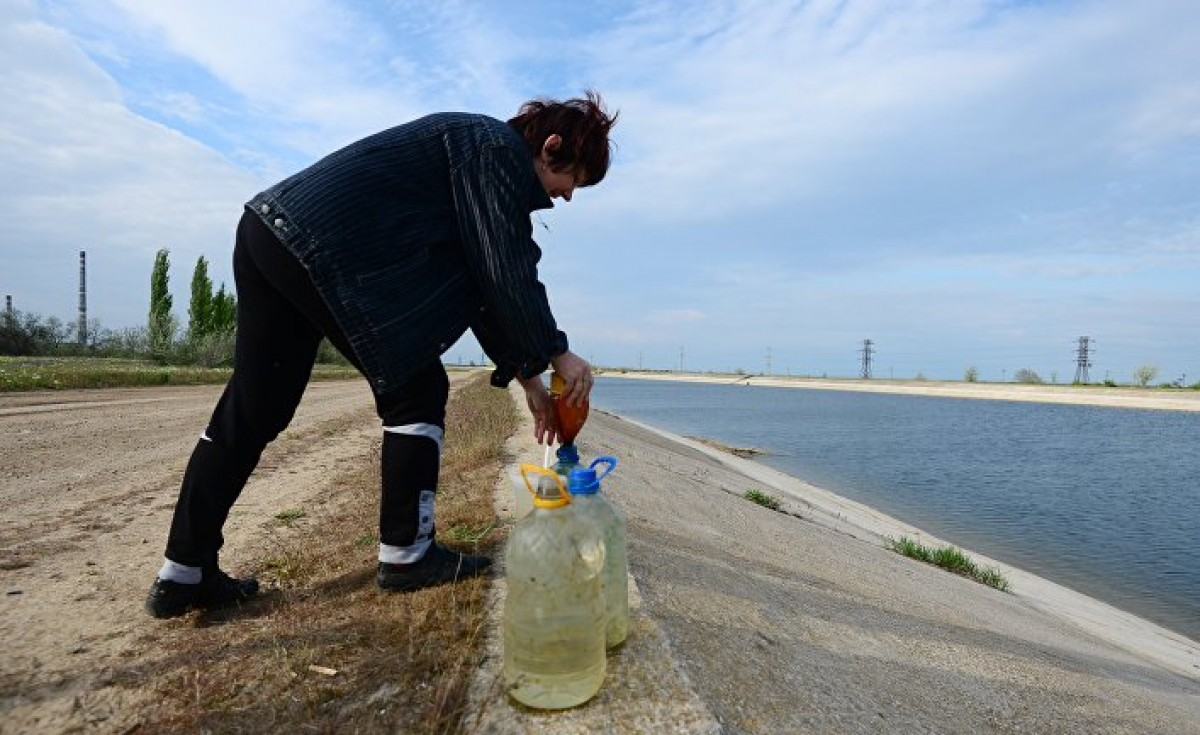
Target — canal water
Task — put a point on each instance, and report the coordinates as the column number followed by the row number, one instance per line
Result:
column 1103, row 500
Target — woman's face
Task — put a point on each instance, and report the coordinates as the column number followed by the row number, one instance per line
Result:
column 558, row 184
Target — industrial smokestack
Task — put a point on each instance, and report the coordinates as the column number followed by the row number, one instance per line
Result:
column 8, row 305
column 83, row 297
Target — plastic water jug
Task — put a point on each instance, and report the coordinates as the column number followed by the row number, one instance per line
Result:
column 522, row 500
column 554, row 617
column 591, row 504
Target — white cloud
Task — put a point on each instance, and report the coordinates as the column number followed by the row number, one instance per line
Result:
column 95, row 177
column 325, row 73
column 794, row 174
column 180, row 106
column 911, row 115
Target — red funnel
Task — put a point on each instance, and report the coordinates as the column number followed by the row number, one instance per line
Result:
column 570, row 418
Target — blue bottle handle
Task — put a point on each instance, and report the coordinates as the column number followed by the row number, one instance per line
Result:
column 610, row 461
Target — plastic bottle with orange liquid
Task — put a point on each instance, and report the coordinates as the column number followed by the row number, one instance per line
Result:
column 570, row 422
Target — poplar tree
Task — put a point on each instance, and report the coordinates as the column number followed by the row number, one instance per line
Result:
column 200, row 310
column 224, row 311
column 161, row 329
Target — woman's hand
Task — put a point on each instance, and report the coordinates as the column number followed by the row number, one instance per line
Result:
column 576, row 375
column 541, row 407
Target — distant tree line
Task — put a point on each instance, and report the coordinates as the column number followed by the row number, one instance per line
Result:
column 208, row 339
column 29, row 334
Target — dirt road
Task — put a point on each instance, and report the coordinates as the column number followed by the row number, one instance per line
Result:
column 88, row 480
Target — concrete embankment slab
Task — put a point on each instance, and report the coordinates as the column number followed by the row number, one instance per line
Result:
column 757, row 621
column 802, row 622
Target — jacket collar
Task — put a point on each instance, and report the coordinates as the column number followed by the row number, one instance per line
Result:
column 538, row 198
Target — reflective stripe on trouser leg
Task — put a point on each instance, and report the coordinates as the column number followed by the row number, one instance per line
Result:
column 411, row 457
column 432, row 431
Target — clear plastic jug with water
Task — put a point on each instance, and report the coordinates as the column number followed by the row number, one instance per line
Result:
column 554, row 614
column 591, row 504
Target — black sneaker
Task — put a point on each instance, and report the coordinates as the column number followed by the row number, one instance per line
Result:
column 438, row 566
column 216, row 589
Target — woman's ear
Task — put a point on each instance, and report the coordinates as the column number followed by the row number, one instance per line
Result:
column 552, row 143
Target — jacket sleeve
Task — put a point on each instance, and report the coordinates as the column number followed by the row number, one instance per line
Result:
column 508, row 363
column 491, row 202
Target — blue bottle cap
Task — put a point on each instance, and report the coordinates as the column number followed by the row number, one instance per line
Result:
column 583, row 482
column 568, row 453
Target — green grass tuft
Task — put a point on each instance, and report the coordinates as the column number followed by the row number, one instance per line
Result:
column 950, row 559
column 763, row 499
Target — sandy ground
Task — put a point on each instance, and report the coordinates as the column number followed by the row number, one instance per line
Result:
column 1152, row 398
column 88, row 480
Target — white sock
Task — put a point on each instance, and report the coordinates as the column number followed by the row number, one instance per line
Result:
column 404, row 554
column 172, row 572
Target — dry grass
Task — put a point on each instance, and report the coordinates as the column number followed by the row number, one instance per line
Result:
column 401, row 662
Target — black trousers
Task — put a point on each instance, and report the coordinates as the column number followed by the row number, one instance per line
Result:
column 281, row 319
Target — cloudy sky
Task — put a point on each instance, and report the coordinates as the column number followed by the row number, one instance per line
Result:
column 965, row 183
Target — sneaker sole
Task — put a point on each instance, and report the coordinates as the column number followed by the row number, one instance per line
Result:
column 390, row 586
column 163, row 612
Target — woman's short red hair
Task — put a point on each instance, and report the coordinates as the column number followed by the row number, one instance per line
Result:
column 583, row 124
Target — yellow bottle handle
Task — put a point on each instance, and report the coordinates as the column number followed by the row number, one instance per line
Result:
column 564, row 495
